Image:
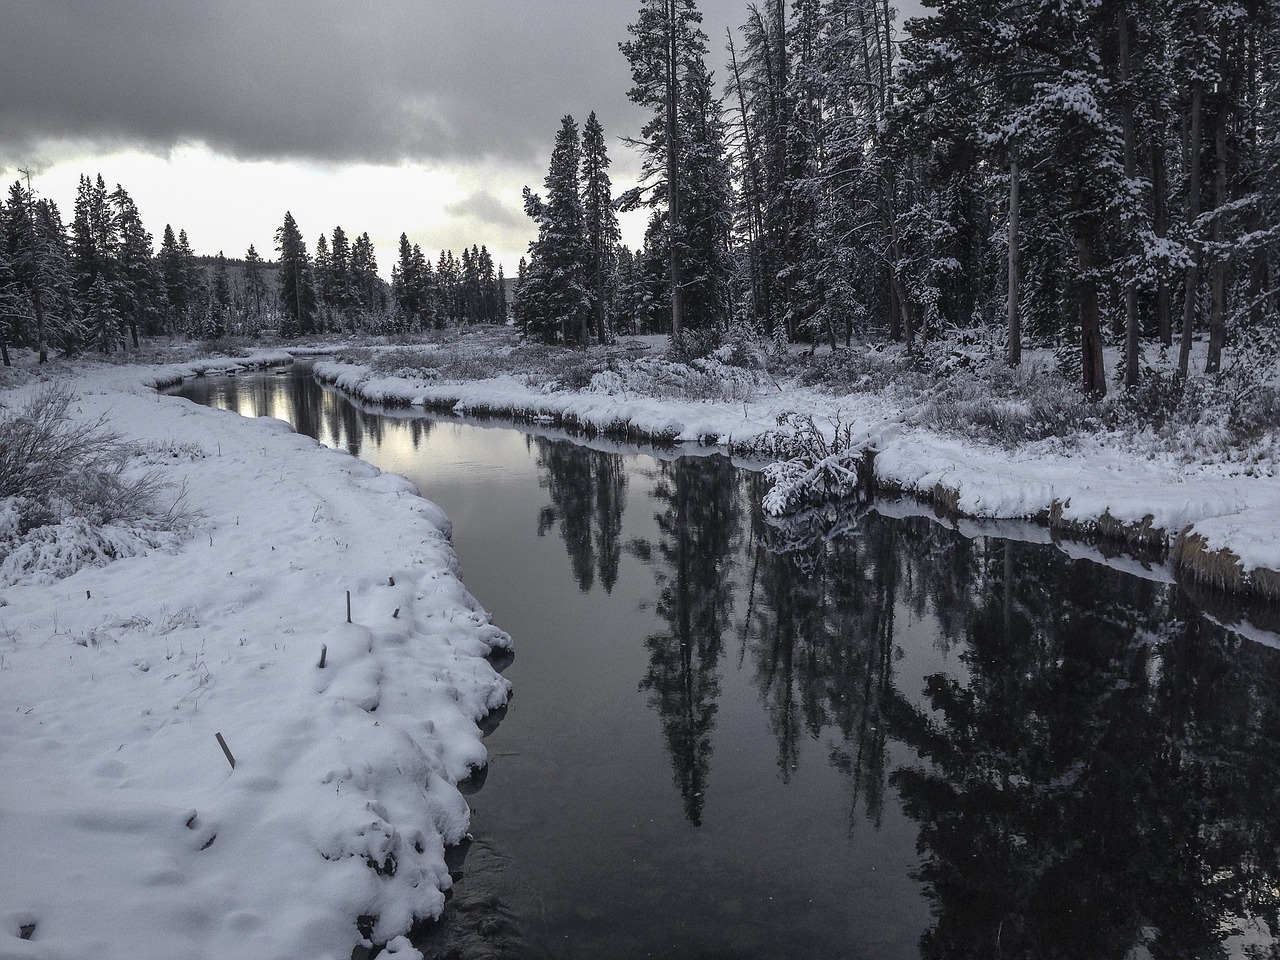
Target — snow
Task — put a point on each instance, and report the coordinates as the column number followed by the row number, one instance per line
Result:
column 123, row 829
column 126, row 833
column 1104, row 477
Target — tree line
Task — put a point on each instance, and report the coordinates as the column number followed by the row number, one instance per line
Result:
column 99, row 284
column 1065, row 173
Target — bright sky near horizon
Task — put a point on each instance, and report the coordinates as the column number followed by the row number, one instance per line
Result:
column 376, row 115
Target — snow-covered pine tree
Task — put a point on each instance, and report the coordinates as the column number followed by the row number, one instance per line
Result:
column 601, row 224
column 297, row 294
column 556, row 296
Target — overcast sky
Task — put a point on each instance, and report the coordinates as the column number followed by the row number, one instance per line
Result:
column 377, row 115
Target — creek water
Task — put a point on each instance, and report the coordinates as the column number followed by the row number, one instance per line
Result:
column 854, row 734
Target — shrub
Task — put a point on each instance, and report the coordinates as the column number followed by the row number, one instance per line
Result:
column 57, row 472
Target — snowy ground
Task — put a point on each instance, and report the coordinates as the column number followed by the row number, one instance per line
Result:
column 124, row 832
column 1149, row 488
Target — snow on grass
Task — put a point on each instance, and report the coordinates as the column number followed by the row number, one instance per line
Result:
column 123, row 829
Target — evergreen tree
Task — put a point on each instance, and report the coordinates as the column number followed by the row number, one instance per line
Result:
column 255, row 286
column 139, row 289
column 220, row 299
column 684, row 167
column 297, row 292
column 367, row 295
column 556, row 297
column 101, row 321
column 601, row 223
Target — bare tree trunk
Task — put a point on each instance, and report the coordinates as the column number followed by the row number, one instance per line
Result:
column 1218, row 283
column 673, row 169
column 1193, row 213
column 1094, row 374
column 1160, row 216
column 1131, row 344
column 1014, row 343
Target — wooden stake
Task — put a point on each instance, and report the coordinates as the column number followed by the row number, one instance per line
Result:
column 324, row 650
column 396, row 615
column 348, row 606
column 391, row 581
column 227, row 750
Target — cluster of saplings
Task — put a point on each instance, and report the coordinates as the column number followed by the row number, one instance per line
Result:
column 1070, row 173
column 98, row 284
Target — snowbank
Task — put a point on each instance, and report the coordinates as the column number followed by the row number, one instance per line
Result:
column 1229, row 511
column 124, row 831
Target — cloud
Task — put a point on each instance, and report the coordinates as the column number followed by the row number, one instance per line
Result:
column 379, row 81
column 484, row 208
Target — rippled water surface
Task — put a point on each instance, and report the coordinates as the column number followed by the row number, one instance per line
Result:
column 849, row 735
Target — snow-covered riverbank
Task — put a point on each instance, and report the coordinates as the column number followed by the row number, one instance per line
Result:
column 124, row 830
column 1221, row 518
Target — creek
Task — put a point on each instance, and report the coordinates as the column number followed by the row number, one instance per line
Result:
column 856, row 733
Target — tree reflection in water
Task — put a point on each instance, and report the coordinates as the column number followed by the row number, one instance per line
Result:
column 588, row 491
column 1097, row 778
column 700, row 506
column 1093, row 775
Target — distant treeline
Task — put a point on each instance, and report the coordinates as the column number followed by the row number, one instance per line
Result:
column 98, row 283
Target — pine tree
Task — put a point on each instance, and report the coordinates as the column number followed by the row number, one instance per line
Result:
column 322, row 271
column 100, row 317
column 684, row 164
column 406, row 286
column 556, row 295
column 601, row 223
column 220, row 299
column 255, row 286
column 297, row 292
column 139, row 289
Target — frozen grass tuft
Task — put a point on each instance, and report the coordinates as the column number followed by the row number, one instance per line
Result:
column 67, row 495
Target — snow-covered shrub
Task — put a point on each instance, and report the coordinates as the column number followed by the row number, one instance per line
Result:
column 662, row 378
column 813, row 466
column 1004, row 405
column 741, row 348
column 857, row 370
column 694, row 345
column 63, row 482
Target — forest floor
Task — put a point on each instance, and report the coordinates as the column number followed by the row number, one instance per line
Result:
column 129, row 638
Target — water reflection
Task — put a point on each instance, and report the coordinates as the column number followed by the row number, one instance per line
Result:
column 859, row 714
column 699, row 508
column 588, row 491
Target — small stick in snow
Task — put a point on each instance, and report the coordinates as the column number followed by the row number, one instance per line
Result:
column 87, row 595
column 396, row 615
column 391, row 581
column 348, row 606
column 227, row 750
column 324, row 650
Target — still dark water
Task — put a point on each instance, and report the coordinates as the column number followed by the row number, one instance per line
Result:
column 856, row 736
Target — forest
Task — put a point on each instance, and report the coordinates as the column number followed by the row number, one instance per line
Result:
column 1072, row 174
column 1067, row 174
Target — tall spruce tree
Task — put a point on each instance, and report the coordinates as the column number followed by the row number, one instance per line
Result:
column 297, row 293
column 555, row 296
column 684, row 170
column 600, row 222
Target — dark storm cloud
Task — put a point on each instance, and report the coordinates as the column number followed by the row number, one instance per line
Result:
column 335, row 80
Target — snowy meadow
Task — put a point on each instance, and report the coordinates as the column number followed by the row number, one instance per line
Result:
column 198, row 578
